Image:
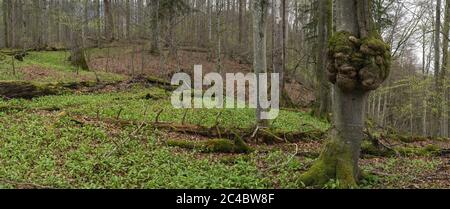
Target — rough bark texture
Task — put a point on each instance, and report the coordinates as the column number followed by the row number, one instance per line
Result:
column 353, row 53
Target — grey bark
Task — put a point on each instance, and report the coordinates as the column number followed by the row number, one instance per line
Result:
column 260, row 10
column 437, row 57
column 109, row 20
column 324, row 32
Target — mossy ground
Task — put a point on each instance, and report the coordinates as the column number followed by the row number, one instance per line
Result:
column 42, row 146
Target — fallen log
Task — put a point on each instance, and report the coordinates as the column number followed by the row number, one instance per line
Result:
column 264, row 135
column 29, row 90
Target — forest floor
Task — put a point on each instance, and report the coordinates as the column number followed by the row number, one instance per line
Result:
column 126, row 134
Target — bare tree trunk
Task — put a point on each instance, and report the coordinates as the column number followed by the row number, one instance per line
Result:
column 155, row 49
column 260, row 10
column 209, row 5
column 99, row 21
column 6, row 18
column 442, row 93
column 12, row 21
column 325, row 29
column 128, row 20
column 140, row 17
column 437, row 57
column 241, row 22
column 85, row 21
column 219, row 6
column 109, row 20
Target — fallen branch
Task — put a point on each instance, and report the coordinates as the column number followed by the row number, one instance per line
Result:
column 29, row 90
column 266, row 136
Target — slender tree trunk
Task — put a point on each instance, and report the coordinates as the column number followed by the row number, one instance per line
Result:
column 128, row 19
column 155, row 49
column 85, row 21
column 219, row 6
column 12, row 21
column 241, row 22
column 279, row 46
column 442, row 93
column 260, row 10
column 109, row 20
column 6, row 14
column 99, row 22
column 325, row 29
column 437, row 57
column 209, row 5
column 140, row 17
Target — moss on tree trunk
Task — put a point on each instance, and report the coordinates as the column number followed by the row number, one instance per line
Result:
column 339, row 159
column 335, row 162
column 359, row 62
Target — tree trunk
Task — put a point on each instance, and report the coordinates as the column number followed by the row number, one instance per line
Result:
column 442, row 93
column 99, row 22
column 12, row 21
column 241, row 22
column 140, row 17
column 339, row 159
column 85, row 21
column 437, row 57
column 155, row 49
column 325, row 29
column 77, row 56
column 128, row 19
column 219, row 6
column 260, row 10
column 6, row 14
column 109, row 22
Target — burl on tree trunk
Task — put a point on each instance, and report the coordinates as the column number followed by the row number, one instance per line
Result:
column 357, row 66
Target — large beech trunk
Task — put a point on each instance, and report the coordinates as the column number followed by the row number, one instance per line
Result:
column 339, row 159
column 349, row 120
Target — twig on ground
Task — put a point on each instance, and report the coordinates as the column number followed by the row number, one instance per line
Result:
column 119, row 113
column 158, row 115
